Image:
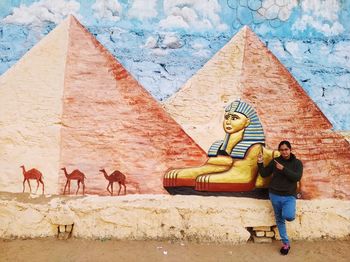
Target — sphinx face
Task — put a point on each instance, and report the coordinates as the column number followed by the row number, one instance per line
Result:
column 235, row 122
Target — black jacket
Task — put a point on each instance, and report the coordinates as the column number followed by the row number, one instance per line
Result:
column 283, row 182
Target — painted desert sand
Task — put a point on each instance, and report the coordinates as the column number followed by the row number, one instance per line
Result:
column 51, row 249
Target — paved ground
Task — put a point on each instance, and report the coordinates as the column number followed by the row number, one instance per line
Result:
column 50, row 249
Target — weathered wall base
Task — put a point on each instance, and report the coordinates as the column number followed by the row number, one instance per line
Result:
column 160, row 217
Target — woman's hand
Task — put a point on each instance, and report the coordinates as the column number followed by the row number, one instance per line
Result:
column 279, row 166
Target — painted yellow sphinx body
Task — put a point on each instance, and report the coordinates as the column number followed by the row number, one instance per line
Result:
column 226, row 169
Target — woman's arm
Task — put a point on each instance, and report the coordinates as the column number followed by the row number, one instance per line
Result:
column 292, row 175
column 265, row 171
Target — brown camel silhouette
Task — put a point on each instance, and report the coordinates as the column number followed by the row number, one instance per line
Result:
column 75, row 175
column 32, row 174
column 116, row 176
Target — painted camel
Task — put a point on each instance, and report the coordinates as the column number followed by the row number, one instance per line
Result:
column 75, row 175
column 232, row 163
column 116, row 176
column 32, row 174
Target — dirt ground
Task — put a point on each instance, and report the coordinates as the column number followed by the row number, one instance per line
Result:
column 51, row 249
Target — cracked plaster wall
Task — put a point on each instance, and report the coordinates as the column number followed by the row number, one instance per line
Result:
column 161, row 217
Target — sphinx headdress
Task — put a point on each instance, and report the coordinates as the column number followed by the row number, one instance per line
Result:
column 253, row 133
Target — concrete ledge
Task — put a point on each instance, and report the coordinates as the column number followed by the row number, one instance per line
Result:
column 160, row 217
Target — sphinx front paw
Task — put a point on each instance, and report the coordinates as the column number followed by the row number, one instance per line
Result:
column 178, row 177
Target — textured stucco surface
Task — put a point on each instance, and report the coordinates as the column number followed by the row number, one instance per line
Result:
column 159, row 217
column 31, row 107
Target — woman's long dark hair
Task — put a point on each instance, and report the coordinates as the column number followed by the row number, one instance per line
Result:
column 285, row 142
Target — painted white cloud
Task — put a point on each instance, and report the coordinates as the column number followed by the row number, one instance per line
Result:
column 200, row 47
column 171, row 41
column 151, row 42
column 202, row 53
column 159, row 52
column 196, row 14
column 197, row 46
column 321, row 15
column 174, row 22
column 107, row 9
column 43, row 11
column 327, row 9
column 163, row 42
column 142, row 9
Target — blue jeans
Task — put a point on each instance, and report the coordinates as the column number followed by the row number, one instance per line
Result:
column 284, row 208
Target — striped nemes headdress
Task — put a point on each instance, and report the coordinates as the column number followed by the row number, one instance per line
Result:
column 253, row 134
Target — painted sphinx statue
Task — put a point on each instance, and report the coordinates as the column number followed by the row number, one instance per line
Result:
column 232, row 163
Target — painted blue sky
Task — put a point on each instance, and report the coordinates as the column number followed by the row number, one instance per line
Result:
column 164, row 42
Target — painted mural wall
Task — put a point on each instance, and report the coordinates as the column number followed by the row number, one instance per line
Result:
column 287, row 59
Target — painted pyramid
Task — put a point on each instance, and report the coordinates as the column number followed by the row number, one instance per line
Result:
column 69, row 103
column 244, row 68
